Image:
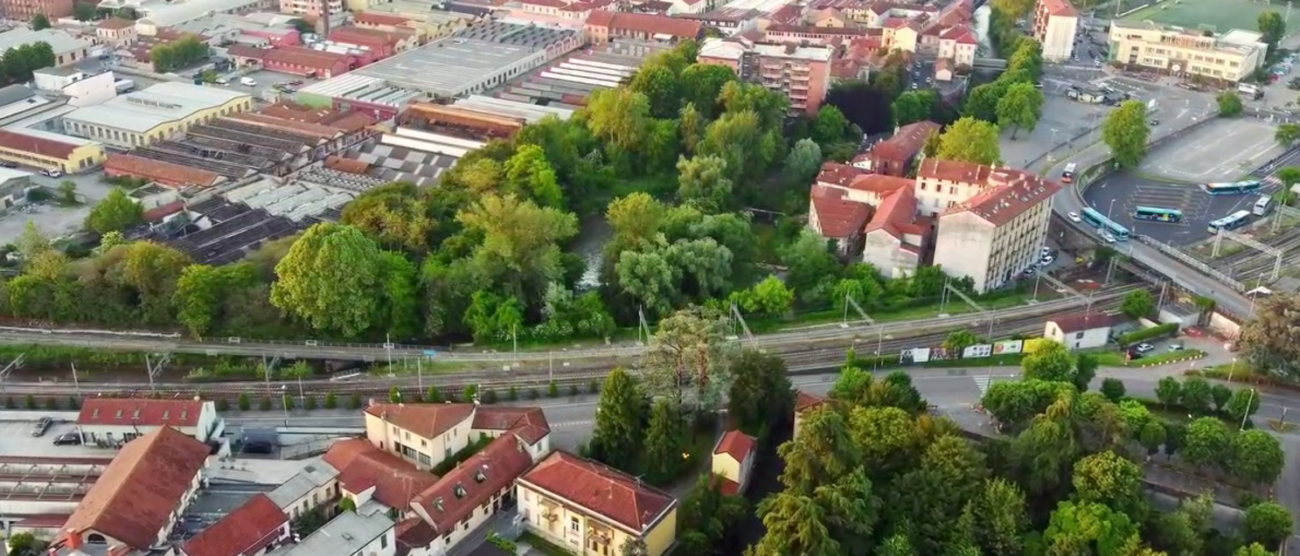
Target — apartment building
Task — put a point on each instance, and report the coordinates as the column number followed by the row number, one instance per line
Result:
column 1055, row 24
column 25, row 10
column 1227, row 58
column 310, row 8
column 801, row 73
column 997, row 233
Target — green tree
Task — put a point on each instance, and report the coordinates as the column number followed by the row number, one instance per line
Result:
column 1268, row 524
column 1110, row 479
column 1273, row 27
column 1113, row 389
column 822, row 452
column 115, row 212
column 243, row 402
column 1208, row 442
column 1126, row 133
column 896, row 545
column 959, row 340
column 1254, row 549
column 761, row 395
column 24, row 544
column 661, row 88
column 982, row 102
column 331, row 400
column 529, row 175
column 1229, row 104
column 40, row 22
column 665, row 443
column 803, row 161
column 769, row 298
column 1197, row 396
column 1020, row 107
column 1051, row 362
column 31, row 242
column 830, row 126
column 1257, row 457
column 971, row 140
column 1220, row 394
column 617, row 438
column 1003, row 516
column 396, row 216
column 1289, row 176
column 1085, row 369
column 913, row 106
column 68, row 192
column 84, row 11
column 836, row 518
column 1169, row 391
column 703, row 183
column 620, row 116
column 1287, row 134
column 1151, row 436
column 708, row 516
column 1138, row 304
column 1242, row 404
column 812, row 268
column 1088, row 528
column 702, row 84
column 329, row 279
column 520, row 241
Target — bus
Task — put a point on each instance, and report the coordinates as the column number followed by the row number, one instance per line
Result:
column 1230, row 222
column 1097, row 220
column 1236, row 188
column 1263, row 206
column 1158, row 214
column 1068, row 175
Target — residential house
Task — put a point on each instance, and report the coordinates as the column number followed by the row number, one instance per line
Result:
column 804, row 403
column 1084, row 331
column 733, row 461
column 253, row 529
column 115, row 421
column 896, row 155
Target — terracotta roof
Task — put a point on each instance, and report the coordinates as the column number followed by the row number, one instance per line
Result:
column 527, row 422
column 346, row 165
column 474, row 482
column 134, row 498
column 316, row 131
column 960, row 34
column 162, row 211
column 952, row 170
column 880, row 184
column 371, row 18
column 895, row 213
column 836, row 216
column 425, row 419
column 289, row 110
column 787, row 14
column 736, row 444
column 139, row 411
column 804, row 401
column 365, row 37
column 1012, row 192
column 1081, row 322
column 247, row 530
column 727, row 486
column 35, row 145
column 158, row 170
column 880, row 8
column 814, row 30
column 906, row 142
column 293, row 55
column 413, row 533
column 115, row 23
column 603, row 490
column 351, row 122
column 1058, row 8
column 363, row 465
column 836, row 173
column 646, row 23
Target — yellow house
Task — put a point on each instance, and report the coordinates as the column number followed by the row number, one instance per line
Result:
column 591, row 509
column 733, row 459
column 158, row 113
column 804, row 402
column 49, row 151
column 425, row 434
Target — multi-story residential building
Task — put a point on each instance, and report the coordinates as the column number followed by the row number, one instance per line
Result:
column 895, row 156
column 116, row 32
column 24, row 10
column 1055, row 23
column 589, row 508
column 997, row 233
column 801, row 73
column 310, row 8
column 426, row 434
column 1227, row 58
column 958, row 44
column 604, row 26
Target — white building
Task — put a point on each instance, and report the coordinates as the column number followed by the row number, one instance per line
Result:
column 1084, row 331
column 994, row 234
column 1227, row 58
column 82, row 89
column 157, row 14
column 1055, row 24
column 158, row 113
column 67, row 48
column 350, row 533
column 316, row 485
column 114, row 421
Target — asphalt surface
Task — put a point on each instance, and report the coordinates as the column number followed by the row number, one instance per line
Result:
column 1226, row 149
column 1119, row 194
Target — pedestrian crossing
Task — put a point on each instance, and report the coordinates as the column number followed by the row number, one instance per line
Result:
column 982, row 382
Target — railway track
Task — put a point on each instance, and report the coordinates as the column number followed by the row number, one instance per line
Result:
column 522, row 377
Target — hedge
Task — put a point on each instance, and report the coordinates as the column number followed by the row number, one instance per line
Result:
column 1148, row 333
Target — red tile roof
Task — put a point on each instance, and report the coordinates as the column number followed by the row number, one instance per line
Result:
column 347, row 165
column 315, row 131
column 727, row 486
column 247, row 530
column 414, row 533
column 290, row 110
column 603, row 490
column 473, row 483
column 906, row 142
column 838, row 174
column 31, row 144
column 814, row 30
column 365, row 37
column 162, row 211
column 895, row 213
column 291, row 55
column 880, row 184
column 425, row 419
column 363, row 465
column 134, row 499
column 838, row 217
column 804, row 401
column 736, row 444
column 115, row 23
column 952, row 170
column 962, row 35
column 350, row 122
column 646, row 23
column 1058, row 8
column 167, row 173
column 139, row 411
column 527, row 422
column 1012, row 192
column 371, row 18
column 1085, row 321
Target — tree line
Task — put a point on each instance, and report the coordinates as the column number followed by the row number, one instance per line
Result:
column 178, row 54
column 19, row 62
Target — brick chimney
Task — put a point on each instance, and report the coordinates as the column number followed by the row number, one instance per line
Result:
column 73, row 540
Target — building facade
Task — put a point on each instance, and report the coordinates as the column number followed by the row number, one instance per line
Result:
column 25, row 10
column 1227, row 58
column 800, row 73
column 310, row 8
column 51, row 151
column 1084, row 331
column 1055, row 24
column 115, row 421
column 733, row 461
column 158, row 113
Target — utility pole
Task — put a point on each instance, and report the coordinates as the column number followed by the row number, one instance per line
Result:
column 4, row 373
column 75, row 383
column 1246, row 414
column 419, row 374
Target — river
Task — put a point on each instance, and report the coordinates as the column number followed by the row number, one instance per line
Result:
column 982, row 30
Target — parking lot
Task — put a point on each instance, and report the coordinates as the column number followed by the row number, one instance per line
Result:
column 1221, row 150
column 50, row 218
column 1063, row 120
column 266, row 82
column 1118, row 195
column 16, row 437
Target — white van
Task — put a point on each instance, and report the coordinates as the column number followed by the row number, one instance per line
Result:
column 52, row 172
column 247, row 82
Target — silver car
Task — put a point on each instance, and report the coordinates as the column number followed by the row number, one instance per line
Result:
column 42, row 425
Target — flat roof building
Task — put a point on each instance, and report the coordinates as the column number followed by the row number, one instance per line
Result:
column 42, row 149
column 800, row 73
column 154, row 114
column 67, row 48
column 1227, row 58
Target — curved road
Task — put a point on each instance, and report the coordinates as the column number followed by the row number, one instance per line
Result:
column 1070, row 200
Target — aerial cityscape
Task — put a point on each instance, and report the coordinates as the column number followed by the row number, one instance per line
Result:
column 649, row 277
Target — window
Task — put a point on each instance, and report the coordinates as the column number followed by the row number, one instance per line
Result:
column 574, row 525
column 383, row 541
column 1078, row 335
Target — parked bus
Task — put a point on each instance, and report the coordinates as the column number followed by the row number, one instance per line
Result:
column 1263, row 206
column 1158, row 214
column 1068, row 175
column 1236, row 188
column 1230, row 222
column 1096, row 219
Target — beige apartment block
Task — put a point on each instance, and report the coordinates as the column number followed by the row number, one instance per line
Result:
column 1228, row 58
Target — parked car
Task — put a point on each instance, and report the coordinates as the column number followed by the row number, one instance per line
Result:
column 8, row 164
column 1175, row 347
column 1154, row 122
column 1074, row 217
column 1144, row 347
column 52, row 172
column 1109, row 237
column 42, row 425
column 68, row 439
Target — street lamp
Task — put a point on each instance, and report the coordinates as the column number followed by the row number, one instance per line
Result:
column 284, row 402
column 1110, row 209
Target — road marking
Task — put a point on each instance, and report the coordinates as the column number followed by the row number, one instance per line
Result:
column 573, row 424
column 982, row 382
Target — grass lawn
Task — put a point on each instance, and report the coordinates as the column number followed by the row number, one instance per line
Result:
column 541, row 545
column 1116, row 358
column 1221, row 15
